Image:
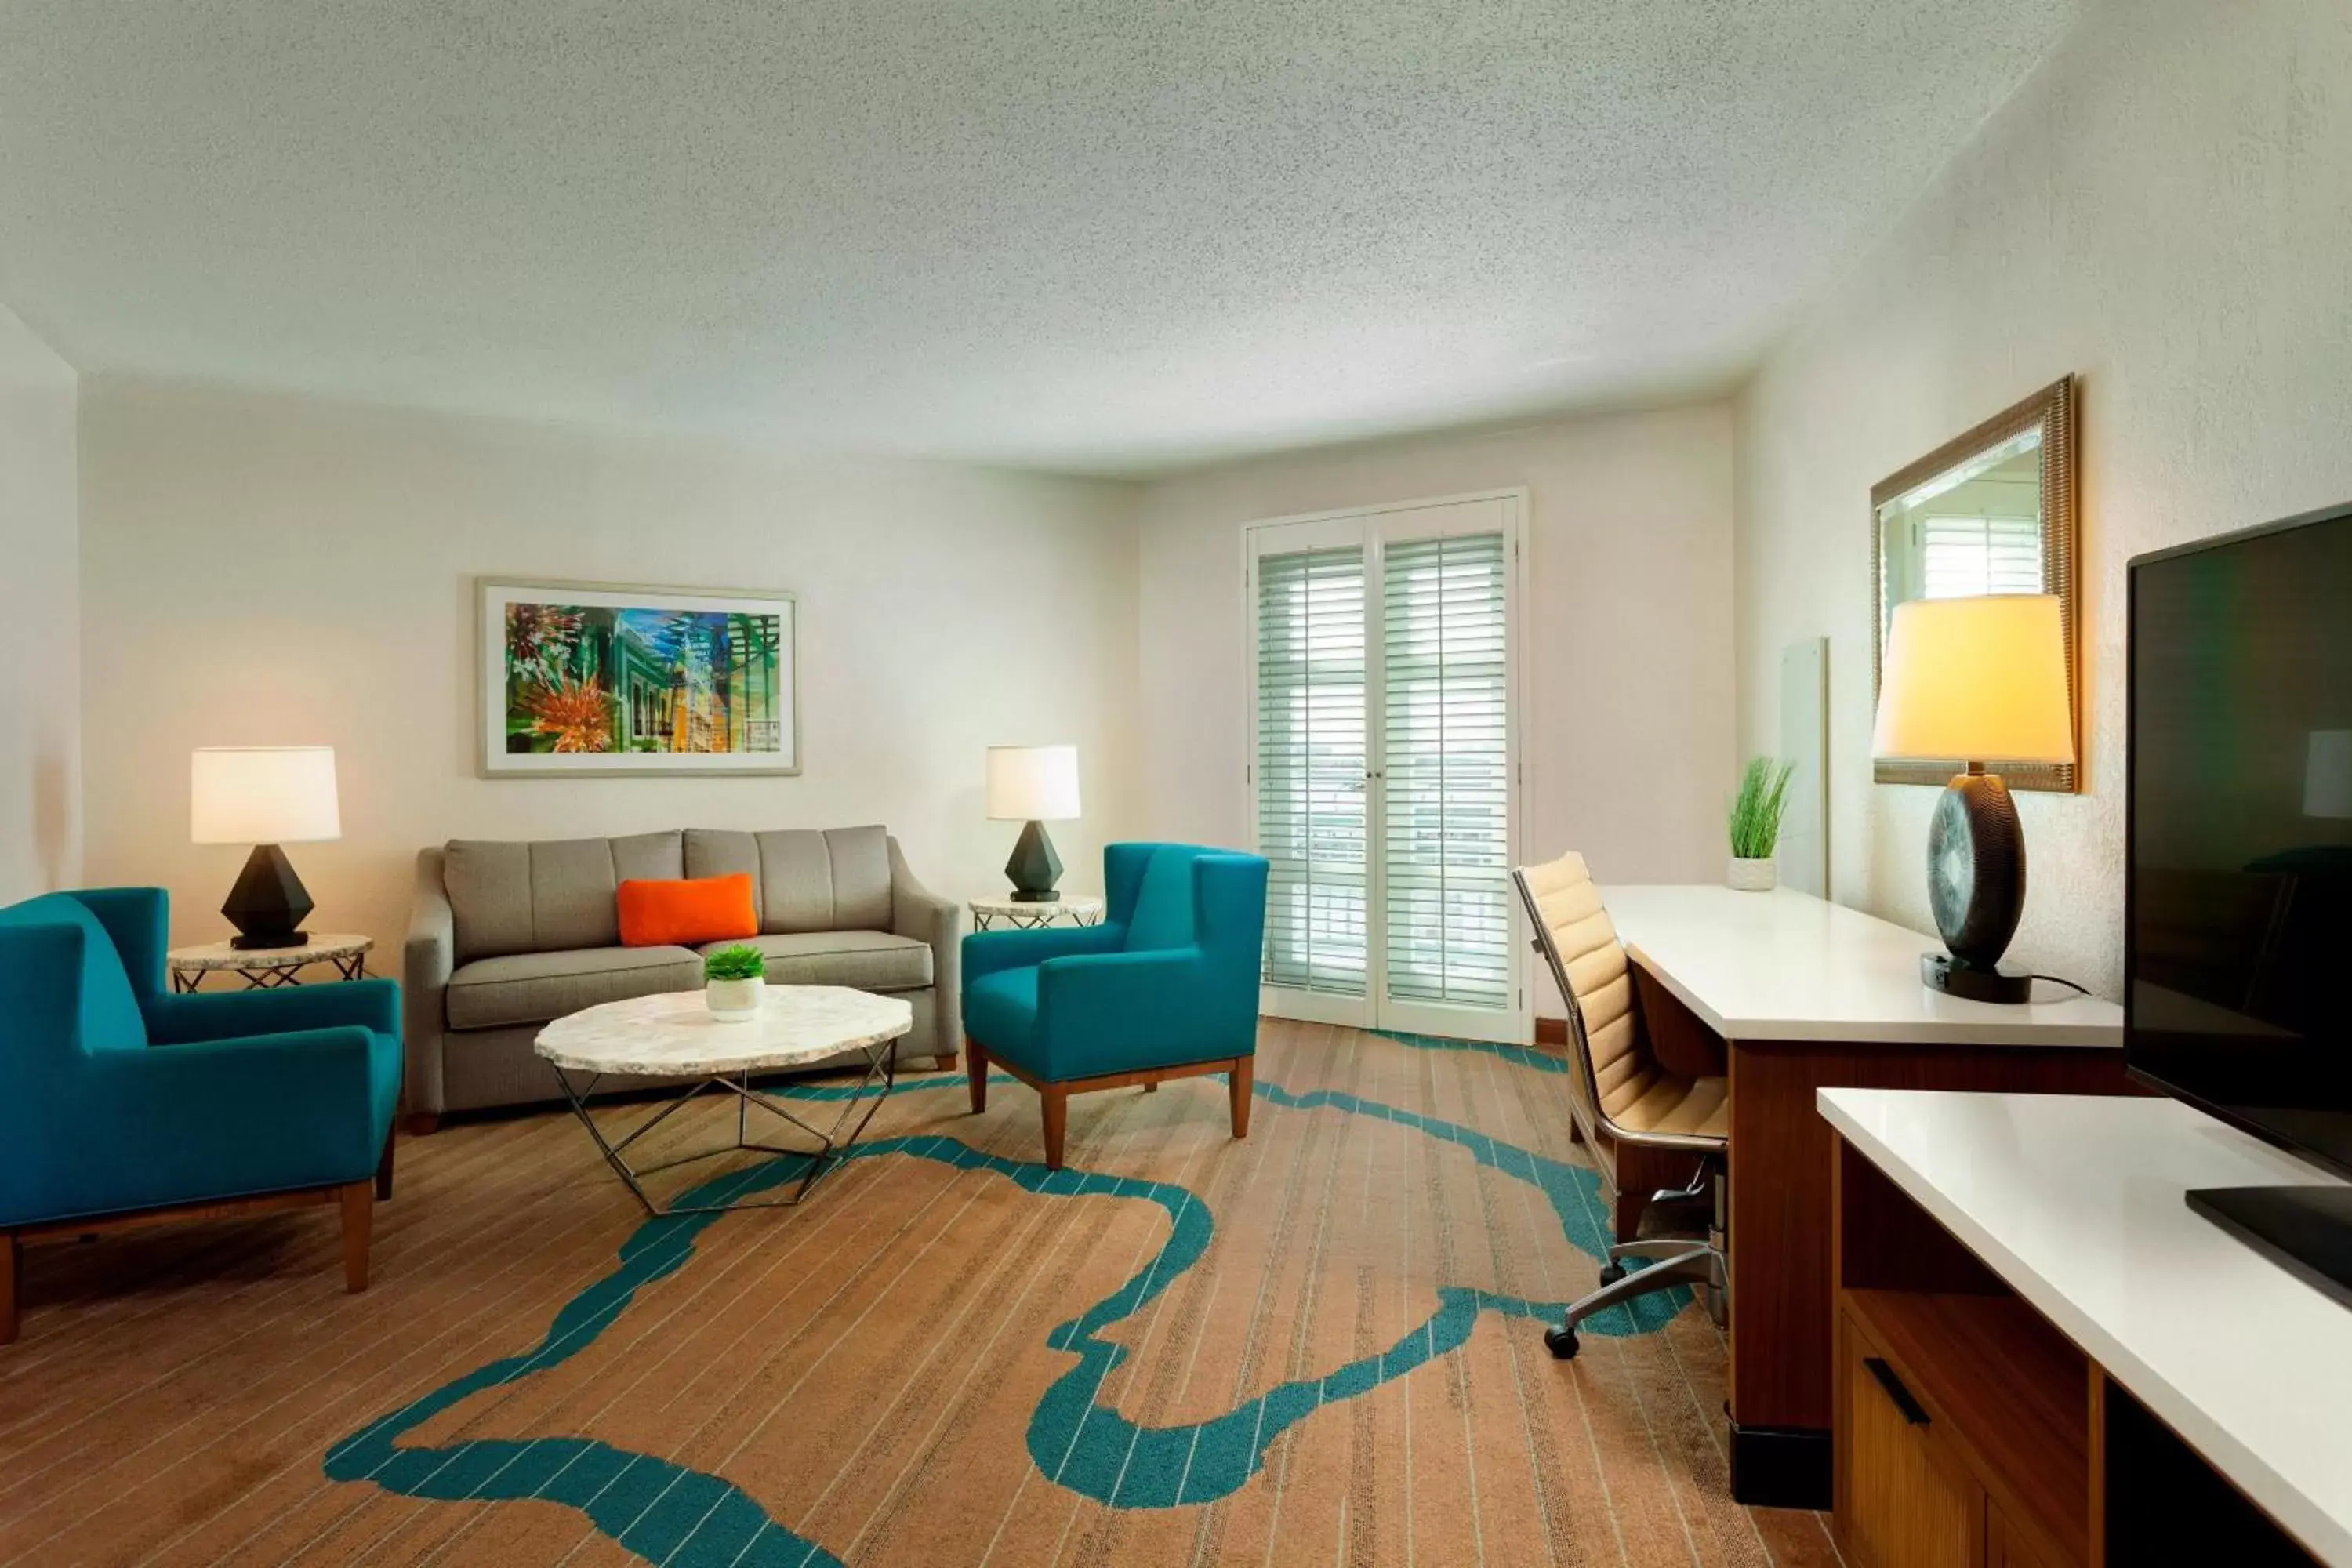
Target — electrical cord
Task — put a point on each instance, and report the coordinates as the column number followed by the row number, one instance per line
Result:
column 2062, row 980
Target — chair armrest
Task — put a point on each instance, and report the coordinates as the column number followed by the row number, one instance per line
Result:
column 427, row 959
column 246, row 1088
column 918, row 912
column 985, row 952
column 137, row 918
column 1152, row 1002
column 234, row 1015
column 40, row 993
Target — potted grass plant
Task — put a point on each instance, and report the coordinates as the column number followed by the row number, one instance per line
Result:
column 734, row 982
column 1756, row 825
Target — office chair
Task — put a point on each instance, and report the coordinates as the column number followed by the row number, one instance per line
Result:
column 1621, row 1097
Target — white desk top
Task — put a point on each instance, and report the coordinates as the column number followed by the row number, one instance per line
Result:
column 2076, row 1201
column 1785, row 965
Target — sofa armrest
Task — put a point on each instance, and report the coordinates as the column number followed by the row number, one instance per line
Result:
column 918, row 912
column 373, row 1004
column 427, row 959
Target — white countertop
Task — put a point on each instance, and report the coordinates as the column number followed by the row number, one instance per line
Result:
column 1785, row 965
column 2077, row 1203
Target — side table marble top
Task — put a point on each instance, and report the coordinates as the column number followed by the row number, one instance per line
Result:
column 674, row 1033
column 1021, row 914
column 322, row 948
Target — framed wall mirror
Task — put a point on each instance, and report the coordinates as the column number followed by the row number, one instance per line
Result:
column 1992, row 511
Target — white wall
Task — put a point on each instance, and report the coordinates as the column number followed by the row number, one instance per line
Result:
column 1628, row 728
column 40, row 653
column 262, row 569
column 2162, row 210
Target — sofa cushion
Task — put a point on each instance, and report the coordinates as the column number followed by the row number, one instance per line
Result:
column 682, row 913
column 549, row 895
column 537, row 987
column 865, row 960
column 999, row 1011
column 804, row 880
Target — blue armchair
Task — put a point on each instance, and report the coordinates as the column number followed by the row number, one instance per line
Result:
column 124, row 1104
column 1167, row 986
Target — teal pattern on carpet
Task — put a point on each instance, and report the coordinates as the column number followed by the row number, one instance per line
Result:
column 669, row 1514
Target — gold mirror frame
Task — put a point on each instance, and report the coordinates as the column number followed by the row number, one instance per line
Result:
column 2052, row 409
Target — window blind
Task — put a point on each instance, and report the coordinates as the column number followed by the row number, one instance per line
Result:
column 1967, row 557
column 1312, row 807
column 1446, row 764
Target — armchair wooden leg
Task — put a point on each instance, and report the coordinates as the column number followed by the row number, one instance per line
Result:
column 383, row 1166
column 946, row 1063
column 424, row 1123
column 975, row 1064
column 1151, row 1087
column 1054, row 1101
column 10, row 1259
column 359, row 1216
column 1238, row 1087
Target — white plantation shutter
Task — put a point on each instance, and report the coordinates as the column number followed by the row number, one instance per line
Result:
column 1967, row 557
column 1445, row 762
column 1312, row 804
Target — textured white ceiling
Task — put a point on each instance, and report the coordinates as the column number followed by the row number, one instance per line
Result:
column 1114, row 235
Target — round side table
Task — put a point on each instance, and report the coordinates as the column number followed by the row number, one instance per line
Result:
column 1018, row 914
column 268, row 968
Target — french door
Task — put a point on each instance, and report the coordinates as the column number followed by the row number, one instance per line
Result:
column 1384, row 767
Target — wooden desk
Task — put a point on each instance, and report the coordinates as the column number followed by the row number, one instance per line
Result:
column 1809, row 994
column 2098, row 1375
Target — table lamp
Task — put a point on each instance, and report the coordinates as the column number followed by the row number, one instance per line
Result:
column 265, row 797
column 1033, row 785
column 1977, row 680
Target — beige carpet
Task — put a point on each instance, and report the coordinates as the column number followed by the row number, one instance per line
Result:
column 1321, row 1345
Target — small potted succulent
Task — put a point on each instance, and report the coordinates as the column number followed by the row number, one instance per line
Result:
column 1756, row 825
column 734, row 982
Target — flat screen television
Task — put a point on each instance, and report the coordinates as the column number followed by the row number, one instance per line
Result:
column 2237, row 900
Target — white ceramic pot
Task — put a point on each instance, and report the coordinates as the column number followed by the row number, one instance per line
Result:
column 734, row 1001
column 1753, row 876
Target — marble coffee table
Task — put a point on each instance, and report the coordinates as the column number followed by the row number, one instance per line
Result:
column 673, row 1036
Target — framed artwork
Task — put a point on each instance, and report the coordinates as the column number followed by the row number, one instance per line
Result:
column 588, row 679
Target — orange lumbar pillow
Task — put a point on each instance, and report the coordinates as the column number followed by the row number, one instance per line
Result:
column 681, row 914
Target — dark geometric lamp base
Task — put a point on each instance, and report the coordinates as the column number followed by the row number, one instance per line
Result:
column 1035, row 868
column 268, row 904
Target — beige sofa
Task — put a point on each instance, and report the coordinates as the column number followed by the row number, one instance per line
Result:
column 506, row 936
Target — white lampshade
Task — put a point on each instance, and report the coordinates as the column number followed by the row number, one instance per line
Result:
column 262, row 795
column 1976, row 681
column 1033, row 783
column 2327, row 775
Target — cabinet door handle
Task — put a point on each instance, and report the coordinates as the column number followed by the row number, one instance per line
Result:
column 1912, row 1411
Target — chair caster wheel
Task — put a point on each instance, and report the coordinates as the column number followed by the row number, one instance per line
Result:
column 1612, row 1272
column 1561, row 1342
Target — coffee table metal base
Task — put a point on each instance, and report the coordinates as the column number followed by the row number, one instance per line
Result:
column 832, row 1146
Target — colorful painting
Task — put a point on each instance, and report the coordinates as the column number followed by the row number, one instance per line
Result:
column 581, row 678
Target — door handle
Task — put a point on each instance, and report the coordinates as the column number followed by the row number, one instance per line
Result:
column 1912, row 1411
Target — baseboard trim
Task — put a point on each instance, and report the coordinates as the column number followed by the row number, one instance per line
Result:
column 1783, row 1467
column 1551, row 1031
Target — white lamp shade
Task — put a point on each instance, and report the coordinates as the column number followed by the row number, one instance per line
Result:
column 1976, row 681
column 1033, row 783
column 262, row 795
column 2327, row 775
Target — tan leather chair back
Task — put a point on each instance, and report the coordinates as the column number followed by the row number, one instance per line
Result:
column 1575, row 936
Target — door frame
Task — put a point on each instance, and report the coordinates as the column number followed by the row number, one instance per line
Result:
column 1361, row 525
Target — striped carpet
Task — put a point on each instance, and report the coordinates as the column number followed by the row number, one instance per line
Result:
column 1322, row 1344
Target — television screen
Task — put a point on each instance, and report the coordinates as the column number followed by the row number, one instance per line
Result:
column 2238, row 902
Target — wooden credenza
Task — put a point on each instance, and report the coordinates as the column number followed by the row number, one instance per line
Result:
column 2045, row 1360
column 1804, row 995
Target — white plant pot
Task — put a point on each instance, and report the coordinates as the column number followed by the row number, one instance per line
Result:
column 734, row 1001
column 1753, row 876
